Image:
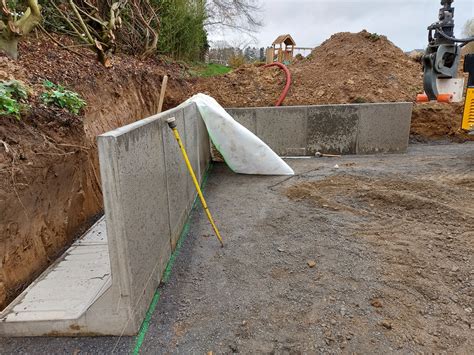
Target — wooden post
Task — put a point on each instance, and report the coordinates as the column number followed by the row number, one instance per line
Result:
column 164, row 84
column 269, row 55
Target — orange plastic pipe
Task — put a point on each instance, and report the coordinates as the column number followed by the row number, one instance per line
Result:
column 288, row 81
column 444, row 98
column 447, row 98
column 422, row 98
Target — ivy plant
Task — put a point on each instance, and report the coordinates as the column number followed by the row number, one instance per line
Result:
column 59, row 96
column 13, row 97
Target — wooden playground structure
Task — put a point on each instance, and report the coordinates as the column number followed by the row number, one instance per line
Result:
column 283, row 50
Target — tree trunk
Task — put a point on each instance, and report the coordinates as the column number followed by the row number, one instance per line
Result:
column 9, row 46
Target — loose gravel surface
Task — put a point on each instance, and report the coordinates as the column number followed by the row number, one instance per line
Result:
column 363, row 254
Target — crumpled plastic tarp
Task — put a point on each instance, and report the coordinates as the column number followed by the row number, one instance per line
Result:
column 242, row 150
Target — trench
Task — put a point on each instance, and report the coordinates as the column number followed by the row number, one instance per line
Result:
column 52, row 194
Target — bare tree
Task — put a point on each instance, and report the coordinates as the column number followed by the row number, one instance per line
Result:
column 239, row 15
column 145, row 23
column 100, row 24
column 94, row 23
column 15, row 24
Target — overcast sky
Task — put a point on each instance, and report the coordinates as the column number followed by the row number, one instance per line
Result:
column 311, row 22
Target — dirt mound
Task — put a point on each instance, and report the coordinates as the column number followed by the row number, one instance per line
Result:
column 247, row 86
column 437, row 122
column 347, row 68
column 360, row 67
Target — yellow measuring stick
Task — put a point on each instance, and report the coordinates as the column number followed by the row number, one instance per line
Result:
column 172, row 124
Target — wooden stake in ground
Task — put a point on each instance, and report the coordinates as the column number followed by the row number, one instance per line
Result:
column 164, row 84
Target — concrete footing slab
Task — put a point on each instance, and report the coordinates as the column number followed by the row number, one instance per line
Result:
column 332, row 129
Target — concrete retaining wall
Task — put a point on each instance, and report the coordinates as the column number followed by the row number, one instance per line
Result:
column 336, row 129
column 148, row 195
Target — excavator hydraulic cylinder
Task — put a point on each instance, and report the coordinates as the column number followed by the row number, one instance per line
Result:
column 468, row 116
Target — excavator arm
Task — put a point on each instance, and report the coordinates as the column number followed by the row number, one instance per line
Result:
column 441, row 62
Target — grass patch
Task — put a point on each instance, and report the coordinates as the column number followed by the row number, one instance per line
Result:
column 208, row 70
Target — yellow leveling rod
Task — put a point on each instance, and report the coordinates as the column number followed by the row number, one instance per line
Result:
column 172, row 124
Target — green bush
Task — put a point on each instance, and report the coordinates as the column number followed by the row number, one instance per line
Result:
column 13, row 96
column 182, row 34
column 59, row 96
column 236, row 61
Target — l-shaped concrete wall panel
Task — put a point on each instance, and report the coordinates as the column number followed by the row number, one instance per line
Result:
column 332, row 129
column 384, row 128
column 339, row 129
column 283, row 129
column 148, row 196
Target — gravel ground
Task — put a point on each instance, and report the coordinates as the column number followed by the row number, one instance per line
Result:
column 364, row 254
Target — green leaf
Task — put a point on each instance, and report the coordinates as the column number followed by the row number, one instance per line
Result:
column 59, row 96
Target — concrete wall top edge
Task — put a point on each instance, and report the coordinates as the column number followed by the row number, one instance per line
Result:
column 143, row 122
column 327, row 105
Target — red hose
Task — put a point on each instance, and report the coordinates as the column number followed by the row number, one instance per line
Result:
column 288, row 81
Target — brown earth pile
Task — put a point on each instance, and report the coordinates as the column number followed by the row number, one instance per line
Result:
column 435, row 121
column 49, row 176
column 359, row 67
column 347, row 68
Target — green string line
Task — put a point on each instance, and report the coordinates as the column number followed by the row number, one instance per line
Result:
column 166, row 275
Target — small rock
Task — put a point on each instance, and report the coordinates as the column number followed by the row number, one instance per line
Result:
column 311, row 263
column 343, row 311
column 234, row 348
column 387, row 324
column 376, row 303
column 281, row 250
column 468, row 310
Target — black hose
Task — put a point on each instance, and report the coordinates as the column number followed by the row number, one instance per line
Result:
column 459, row 40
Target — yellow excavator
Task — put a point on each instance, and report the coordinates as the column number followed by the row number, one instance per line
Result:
column 441, row 62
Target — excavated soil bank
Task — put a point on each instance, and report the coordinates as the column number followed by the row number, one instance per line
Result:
column 50, row 184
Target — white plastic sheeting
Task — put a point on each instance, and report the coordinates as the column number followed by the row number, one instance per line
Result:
column 242, row 150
